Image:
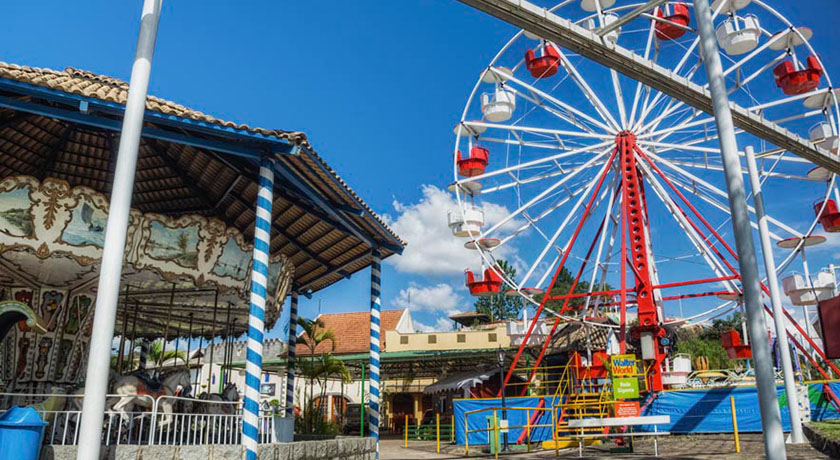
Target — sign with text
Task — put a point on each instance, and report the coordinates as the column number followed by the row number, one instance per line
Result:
column 627, row 409
column 625, row 388
column 623, row 365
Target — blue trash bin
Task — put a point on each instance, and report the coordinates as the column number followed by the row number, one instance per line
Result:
column 21, row 433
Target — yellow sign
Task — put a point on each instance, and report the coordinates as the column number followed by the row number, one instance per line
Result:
column 623, row 365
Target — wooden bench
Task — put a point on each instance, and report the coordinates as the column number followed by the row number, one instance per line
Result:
column 620, row 421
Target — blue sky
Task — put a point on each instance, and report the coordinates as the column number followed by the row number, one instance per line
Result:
column 376, row 85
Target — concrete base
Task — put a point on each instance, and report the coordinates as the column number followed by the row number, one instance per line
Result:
column 334, row 449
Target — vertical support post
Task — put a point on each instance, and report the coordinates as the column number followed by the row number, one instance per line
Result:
column 735, row 425
column 362, row 423
column 528, row 429
column 405, row 431
column 452, row 429
column 121, row 351
column 98, row 367
column 466, row 435
column 437, row 430
column 144, row 355
column 775, row 298
column 133, row 337
column 496, row 433
column 256, row 318
column 375, row 307
column 771, row 423
column 290, row 360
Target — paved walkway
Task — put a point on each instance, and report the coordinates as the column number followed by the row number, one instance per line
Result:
column 693, row 447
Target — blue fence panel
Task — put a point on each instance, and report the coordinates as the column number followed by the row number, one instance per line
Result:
column 515, row 418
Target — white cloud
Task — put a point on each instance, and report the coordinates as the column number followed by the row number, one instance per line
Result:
column 432, row 249
column 440, row 297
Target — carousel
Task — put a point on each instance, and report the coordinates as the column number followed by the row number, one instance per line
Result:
column 188, row 258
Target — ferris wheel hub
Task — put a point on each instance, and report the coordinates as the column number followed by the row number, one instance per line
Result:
column 624, row 136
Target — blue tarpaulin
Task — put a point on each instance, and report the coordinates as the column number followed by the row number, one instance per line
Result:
column 691, row 411
column 515, row 418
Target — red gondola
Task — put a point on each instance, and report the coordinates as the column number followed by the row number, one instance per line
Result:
column 679, row 15
column 734, row 348
column 794, row 81
column 544, row 66
column 474, row 164
column 830, row 217
column 488, row 286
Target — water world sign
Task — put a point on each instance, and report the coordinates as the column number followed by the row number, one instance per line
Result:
column 623, row 365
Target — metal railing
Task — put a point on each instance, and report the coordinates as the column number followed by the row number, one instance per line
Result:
column 493, row 427
column 170, row 420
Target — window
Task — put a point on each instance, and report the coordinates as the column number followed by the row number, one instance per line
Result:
column 403, row 340
column 432, row 339
column 491, row 337
column 462, row 338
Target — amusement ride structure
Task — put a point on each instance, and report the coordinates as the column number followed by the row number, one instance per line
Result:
column 596, row 137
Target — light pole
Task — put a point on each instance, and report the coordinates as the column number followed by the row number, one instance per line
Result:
column 501, row 356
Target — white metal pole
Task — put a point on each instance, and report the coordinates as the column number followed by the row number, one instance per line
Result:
column 775, row 298
column 808, row 326
column 96, row 381
column 771, row 423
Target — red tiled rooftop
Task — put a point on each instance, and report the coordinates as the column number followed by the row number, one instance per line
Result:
column 352, row 332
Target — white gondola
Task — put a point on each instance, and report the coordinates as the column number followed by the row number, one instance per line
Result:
column 468, row 224
column 609, row 18
column 796, row 287
column 731, row 5
column 676, row 370
column 821, row 135
column 591, row 5
column 739, row 35
column 499, row 105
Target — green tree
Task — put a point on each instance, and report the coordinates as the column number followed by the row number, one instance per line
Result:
column 330, row 368
column 314, row 334
column 500, row 307
column 562, row 286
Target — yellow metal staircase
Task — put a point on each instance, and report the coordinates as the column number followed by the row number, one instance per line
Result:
column 577, row 398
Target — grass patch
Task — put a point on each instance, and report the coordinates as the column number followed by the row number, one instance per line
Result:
column 830, row 429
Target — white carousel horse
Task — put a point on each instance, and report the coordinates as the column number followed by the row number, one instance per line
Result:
column 131, row 389
column 228, row 394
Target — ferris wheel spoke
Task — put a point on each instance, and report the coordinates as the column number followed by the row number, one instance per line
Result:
column 638, row 92
column 584, row 87
column 594, row 149
column 700, row 242
column 672, row 105
column 534, row 130
column 539, row 196
column 608, row 233
column 716, row 167
column 740, row 83
column 591, row 188
column 720, row 193
column 548, row 175
column 549, row 98
column 571, row 118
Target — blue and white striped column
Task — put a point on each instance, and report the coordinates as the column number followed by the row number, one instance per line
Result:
column 375, row 308
column 290, row 361
column 144, row 355
column 256, row 319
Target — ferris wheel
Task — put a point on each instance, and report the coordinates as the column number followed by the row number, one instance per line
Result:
column 622, row 185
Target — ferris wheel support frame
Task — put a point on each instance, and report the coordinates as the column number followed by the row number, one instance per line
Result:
column 771, row 420
column 589, row 44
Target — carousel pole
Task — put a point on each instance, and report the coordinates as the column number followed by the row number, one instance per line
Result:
column 96, row 387
column 166, row 329
column 121, row 351
column 189, row 339
column 223, row 370
column 290, row 360
column 198, row 373
column 133, row 337
column 771, row 420
column 210, row 343
column 775, row 298
column 375, row 307
column 144, row 355
column 256, row 318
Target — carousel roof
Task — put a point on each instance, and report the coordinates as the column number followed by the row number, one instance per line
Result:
column 65, row 125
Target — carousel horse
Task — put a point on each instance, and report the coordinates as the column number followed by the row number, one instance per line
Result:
column 131, row 388
column 50, row 407
column 229, row 394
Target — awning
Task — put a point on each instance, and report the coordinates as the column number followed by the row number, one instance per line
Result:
column 460, row 381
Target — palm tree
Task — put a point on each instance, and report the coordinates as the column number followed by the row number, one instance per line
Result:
column 157, row 355
column 329, row 368
column 315, row 333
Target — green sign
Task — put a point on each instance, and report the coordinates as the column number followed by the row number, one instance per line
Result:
column 625, row 388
